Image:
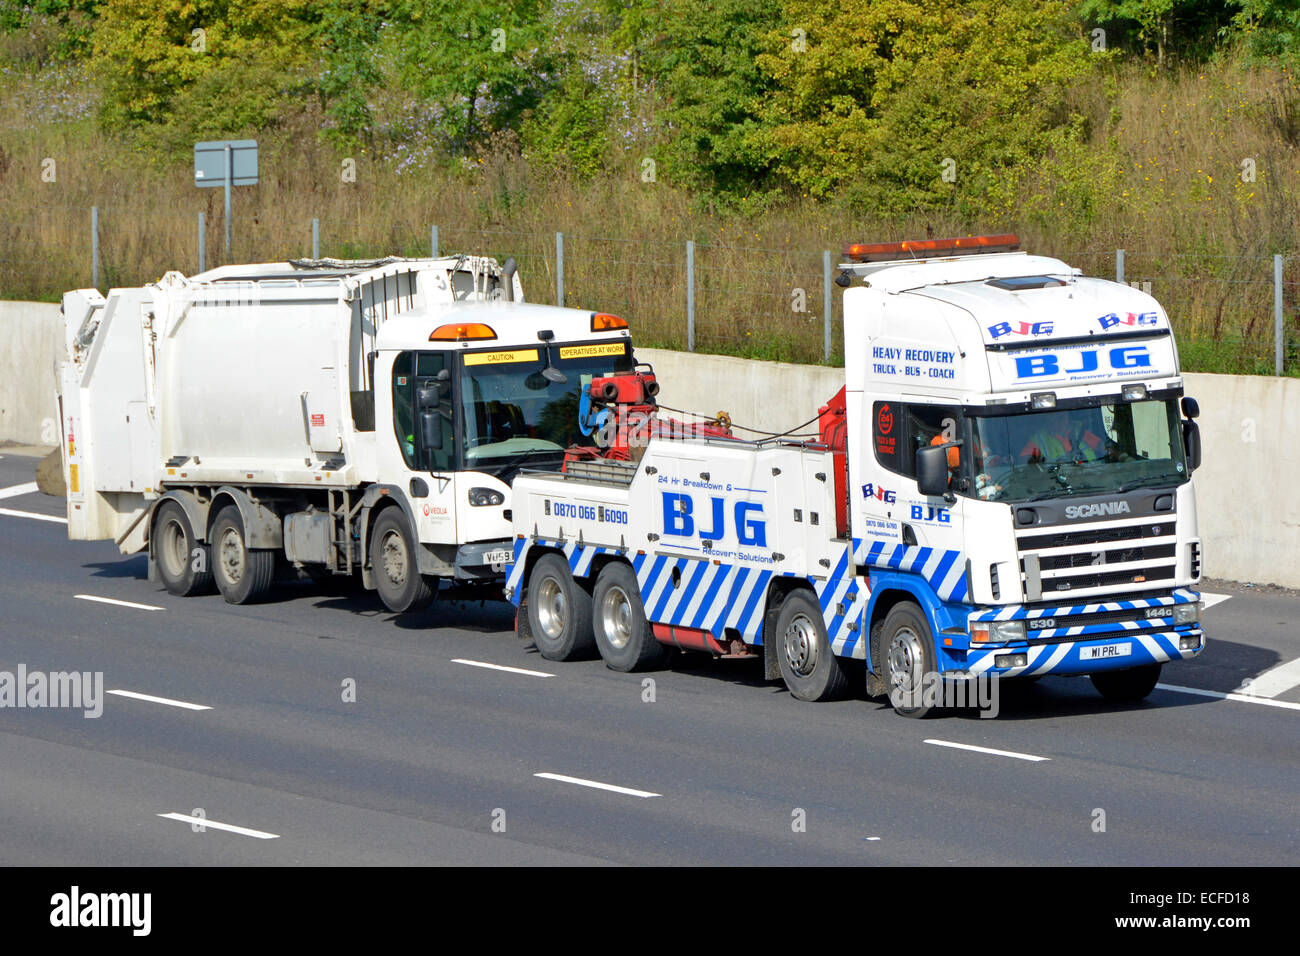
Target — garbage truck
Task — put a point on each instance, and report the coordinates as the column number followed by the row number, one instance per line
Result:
column 320, row 418
column 1000, row 490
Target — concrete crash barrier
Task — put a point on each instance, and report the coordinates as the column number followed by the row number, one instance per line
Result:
column 1250, row 525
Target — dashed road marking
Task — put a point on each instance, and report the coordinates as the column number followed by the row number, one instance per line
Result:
column 159, row 700
column 501, row 667
column 13, row 491
column 1209, row 600
column 12, row 513
column 117, row 603
column 1241, row 698
column 596, row 784
column 214, row 825
column 1274, row 681
column 985, row 750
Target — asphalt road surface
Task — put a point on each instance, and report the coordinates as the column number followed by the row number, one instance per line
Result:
column 463, row 746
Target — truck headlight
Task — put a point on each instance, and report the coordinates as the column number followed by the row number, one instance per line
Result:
column 1187, row 613
column 997, row 632
column 479, row 497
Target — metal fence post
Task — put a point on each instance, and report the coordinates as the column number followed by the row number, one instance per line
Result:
column 1279, row 329
column 559, row 268
column 433, row 241
column 315, row 238
column 94, row 247
column 1119, row 265
column 826, row 305
column 203, row 246
column 230, row 173
column 690, row 295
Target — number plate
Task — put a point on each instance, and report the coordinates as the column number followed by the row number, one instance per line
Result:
column 502, row 556
column 1105, row 652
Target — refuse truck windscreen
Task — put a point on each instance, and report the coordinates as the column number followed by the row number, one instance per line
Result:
column 520, row 406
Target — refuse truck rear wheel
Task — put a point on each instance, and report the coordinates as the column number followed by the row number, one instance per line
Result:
column 184, row 565
column 395, row 565
column 243, row 574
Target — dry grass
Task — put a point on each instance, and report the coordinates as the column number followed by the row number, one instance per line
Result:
column 1160, row 176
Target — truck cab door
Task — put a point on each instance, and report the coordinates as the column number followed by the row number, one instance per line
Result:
column 417, row 447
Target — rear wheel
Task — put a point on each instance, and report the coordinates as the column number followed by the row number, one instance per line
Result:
column 810, row 670
column 624, row 637
column 559, row 611
column 184, row 565
column 243, row 574
column 909, row 659
column 393, row 559
column 1132, row 683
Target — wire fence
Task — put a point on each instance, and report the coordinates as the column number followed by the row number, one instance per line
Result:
column 1233, row 314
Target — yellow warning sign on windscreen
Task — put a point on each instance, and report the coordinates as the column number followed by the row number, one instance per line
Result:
column 591, row 351
column 497, row 358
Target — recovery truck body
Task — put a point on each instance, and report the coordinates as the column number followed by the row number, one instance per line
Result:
column 330, row 416
column 935, row 527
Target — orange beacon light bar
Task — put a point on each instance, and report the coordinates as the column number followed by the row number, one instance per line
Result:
column 931, row 248
column 462, row 332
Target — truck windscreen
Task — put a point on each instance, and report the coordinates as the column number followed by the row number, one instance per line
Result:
column 520, row 406
column 1079, row 451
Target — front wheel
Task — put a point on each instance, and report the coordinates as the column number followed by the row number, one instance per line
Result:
column 624, row 637
column 909, row 659
column 396, row 568
column 810, row 670
column 1131, row 683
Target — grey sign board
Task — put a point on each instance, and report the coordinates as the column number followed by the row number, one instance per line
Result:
column 210, row 163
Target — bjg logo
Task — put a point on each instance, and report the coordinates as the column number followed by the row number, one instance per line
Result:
column 1134, row 319
column 870, row 490
column 1020, row 328
column 1121, row 357
column 680, row 519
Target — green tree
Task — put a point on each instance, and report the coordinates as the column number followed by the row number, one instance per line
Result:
column 482, row 64
column 1271, row 28
column 900, row 104
column 1189, row 28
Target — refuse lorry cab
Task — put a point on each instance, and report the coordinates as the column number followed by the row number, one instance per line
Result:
column 324, row 417
column 1001, row 490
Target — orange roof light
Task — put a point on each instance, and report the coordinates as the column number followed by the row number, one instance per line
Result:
column 459, row 333
column 604, row 322
column 929, row 248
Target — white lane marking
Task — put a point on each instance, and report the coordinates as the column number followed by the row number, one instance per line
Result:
column 159, row 700
column 1209, row 600
column 113, row 601
column 1243, row 698
column 32, row 514
column 1273, row 681
column 214, row 825
column 985, row 750
column 13, row 491
column 499, row 667
column 597, row 784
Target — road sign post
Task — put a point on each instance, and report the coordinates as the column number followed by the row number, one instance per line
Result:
column 226, row 163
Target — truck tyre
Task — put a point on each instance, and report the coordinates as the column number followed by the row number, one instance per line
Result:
column 908, row 658
column 174, row 547
column 559, row 611
column 1131, row 683
column 624, row 637
column 810, row 670
column 398, row 580
column 243, row 574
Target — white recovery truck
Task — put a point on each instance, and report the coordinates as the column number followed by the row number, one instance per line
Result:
column 1001, row 490
column 321, row 416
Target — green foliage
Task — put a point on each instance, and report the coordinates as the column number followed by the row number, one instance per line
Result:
column 44, row 31
column 1186, row 28
column 479, row 64
column 899, row 104
column 1271, row 28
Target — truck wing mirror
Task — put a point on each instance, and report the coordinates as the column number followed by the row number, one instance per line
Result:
column 932, row 470
column 1192, row 442
column 1191, row 408
column 430, row 429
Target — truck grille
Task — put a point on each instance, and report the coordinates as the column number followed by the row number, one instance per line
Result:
column 1128, row 557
